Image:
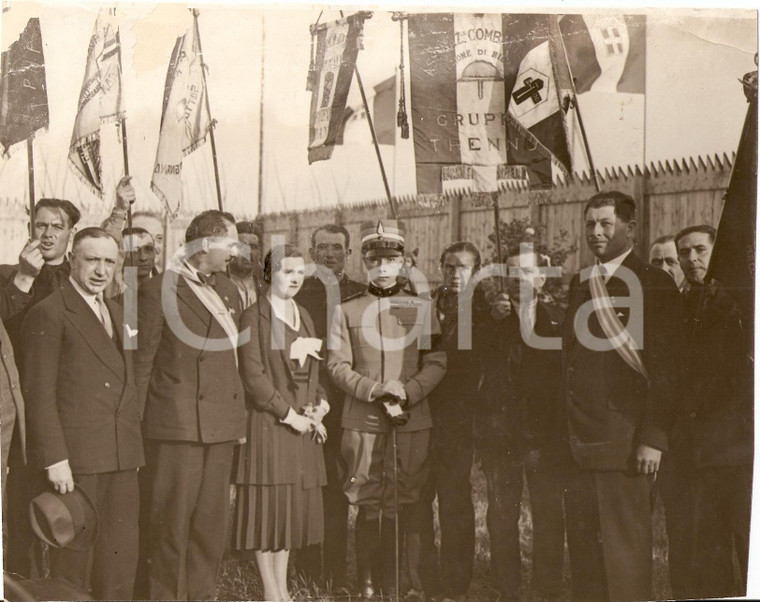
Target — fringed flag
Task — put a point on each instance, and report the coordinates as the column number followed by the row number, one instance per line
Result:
column 465, row 69
column 23, row 92
column 185, row 120
column 337, row 46
column 100, row 101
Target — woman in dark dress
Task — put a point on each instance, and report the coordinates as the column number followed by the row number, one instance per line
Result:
column 280, row 469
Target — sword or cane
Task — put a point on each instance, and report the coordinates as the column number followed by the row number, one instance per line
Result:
column 395, row 507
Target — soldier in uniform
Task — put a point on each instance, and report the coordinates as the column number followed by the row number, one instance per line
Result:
column 330, row 249
column 382, row 353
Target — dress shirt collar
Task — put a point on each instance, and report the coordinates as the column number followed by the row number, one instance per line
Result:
column 89, row 297
column 194, row 272
column 278, row 309
column 611, row 266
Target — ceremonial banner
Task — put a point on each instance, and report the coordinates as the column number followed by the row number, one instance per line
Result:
column 607, row 53
column 462, row 111
column 337, row 45
column 457, row 97
column 184, row 119
column 23, row 92
column 537, row 133
column 733, row 257
column 100, row 101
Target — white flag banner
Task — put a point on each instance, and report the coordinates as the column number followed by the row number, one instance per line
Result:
column 184, row 120
column 101, row 100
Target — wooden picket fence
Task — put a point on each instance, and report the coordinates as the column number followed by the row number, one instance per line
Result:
column 669, row 196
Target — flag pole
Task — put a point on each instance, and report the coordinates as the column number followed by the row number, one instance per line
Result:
column 497, row 225
column 560, row 41
column 30, row 160
column 261, row 122
column 208, row 110
column 391, row 200
column 124, row 146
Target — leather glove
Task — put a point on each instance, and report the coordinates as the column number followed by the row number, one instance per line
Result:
column 394, row 409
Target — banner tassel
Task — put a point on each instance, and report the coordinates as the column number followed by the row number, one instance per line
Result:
column 402, row 120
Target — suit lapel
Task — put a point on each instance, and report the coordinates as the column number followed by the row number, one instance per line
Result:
column 187, row 296
column 86, row 322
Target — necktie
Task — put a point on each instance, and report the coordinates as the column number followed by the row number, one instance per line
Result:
column 105, row 316
column 604, row 273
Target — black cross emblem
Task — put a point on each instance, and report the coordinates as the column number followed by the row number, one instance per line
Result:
column 531, row 90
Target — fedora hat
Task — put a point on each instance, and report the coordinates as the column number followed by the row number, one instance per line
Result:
column 65, row 520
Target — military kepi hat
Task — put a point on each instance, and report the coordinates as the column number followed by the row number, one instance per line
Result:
column 383, row 237
column 65, row 520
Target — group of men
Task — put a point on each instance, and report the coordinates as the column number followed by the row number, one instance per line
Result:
column 647, row 372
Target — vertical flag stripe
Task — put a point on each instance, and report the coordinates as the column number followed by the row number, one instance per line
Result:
column 633, row 80
column 580, row 52
column 433, row 97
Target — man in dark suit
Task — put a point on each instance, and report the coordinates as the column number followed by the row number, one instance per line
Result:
column 621, row 338
column 194, row 408
column 716, row 423
column 330, row 249
column 41, row 268
column 519, row 429
column 82, row 415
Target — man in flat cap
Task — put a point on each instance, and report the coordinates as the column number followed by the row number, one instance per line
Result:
column 382, row 352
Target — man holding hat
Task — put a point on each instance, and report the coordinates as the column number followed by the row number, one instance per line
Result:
column 82, row 418
column 382, row 352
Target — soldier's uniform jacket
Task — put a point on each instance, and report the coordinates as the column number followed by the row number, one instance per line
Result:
column 381, row 338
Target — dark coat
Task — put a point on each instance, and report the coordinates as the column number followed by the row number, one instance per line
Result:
column 520, row 405
column 717, row 415
column 188, row 393
column 610, row 407
column 14, row 303
column 274, row 453
column 79, row 387
column 313, row 298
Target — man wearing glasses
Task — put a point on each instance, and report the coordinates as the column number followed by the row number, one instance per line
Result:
column 383, row 353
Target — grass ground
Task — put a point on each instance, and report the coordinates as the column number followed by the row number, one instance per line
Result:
column 240, row 580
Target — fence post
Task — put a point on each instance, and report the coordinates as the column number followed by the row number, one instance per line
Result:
column 455, row 222
column 640, row 190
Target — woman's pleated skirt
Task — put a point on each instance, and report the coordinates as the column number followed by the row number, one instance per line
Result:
column 270, row 518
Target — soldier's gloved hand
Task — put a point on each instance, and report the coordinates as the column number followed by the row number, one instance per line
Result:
column 394, row 409
column 394, row 388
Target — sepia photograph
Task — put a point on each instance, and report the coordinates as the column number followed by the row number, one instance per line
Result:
column 383, row 302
